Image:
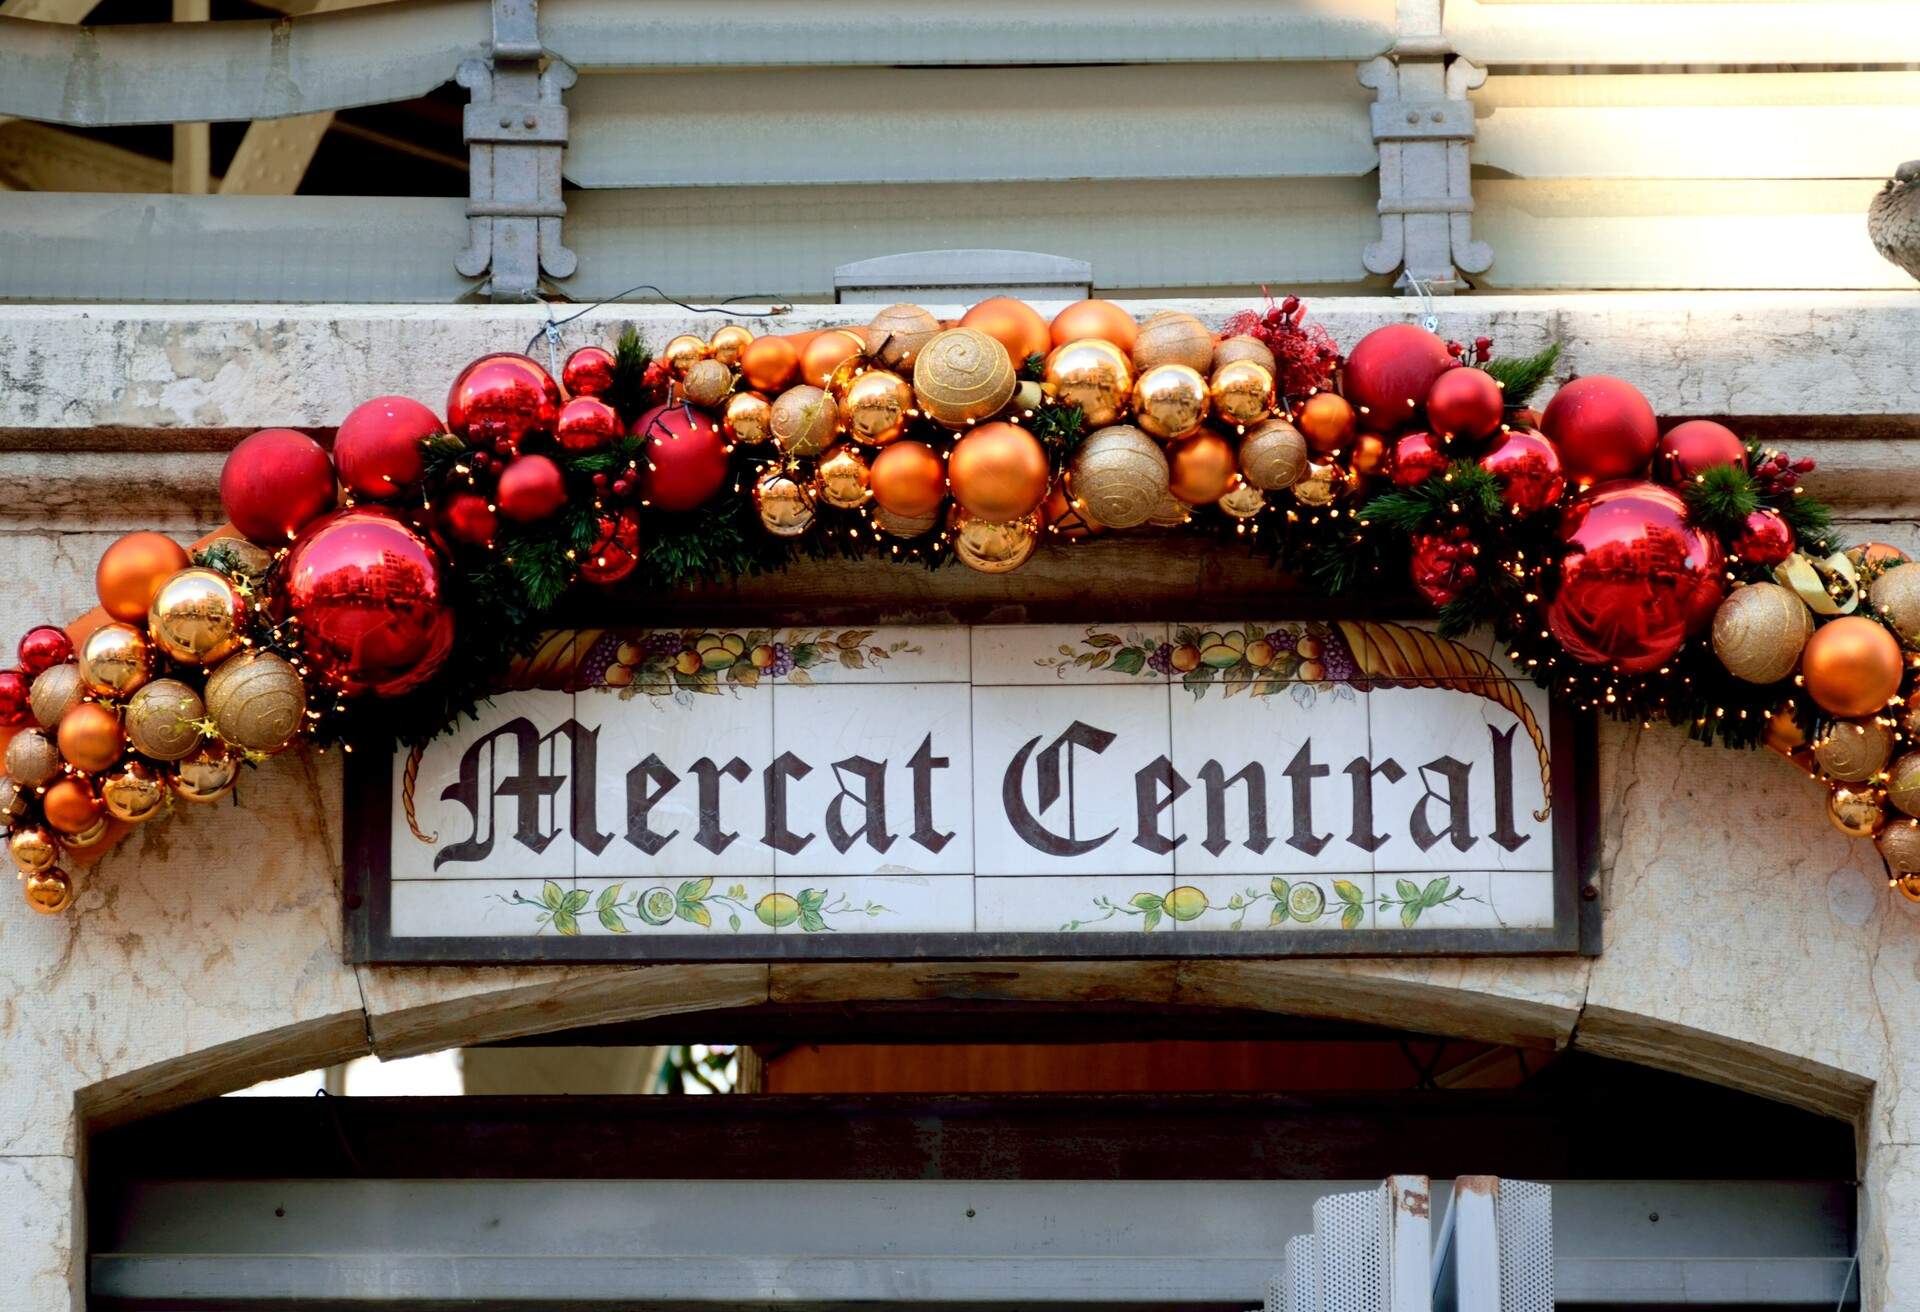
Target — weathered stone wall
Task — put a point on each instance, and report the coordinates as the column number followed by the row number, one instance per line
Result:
column 1746, row 941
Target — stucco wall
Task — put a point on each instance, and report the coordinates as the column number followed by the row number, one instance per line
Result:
column 1746, row 941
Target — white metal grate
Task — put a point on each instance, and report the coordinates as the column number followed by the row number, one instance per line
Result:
column 1523, row 1218
column 1348, row 1229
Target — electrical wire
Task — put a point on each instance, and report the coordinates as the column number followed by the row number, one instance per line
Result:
column 552, row 327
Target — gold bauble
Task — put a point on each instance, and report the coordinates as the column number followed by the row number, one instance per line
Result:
column 1273, row 456
column 90, row 737
column 1320, row 485
column 50, row 892
column 162, row 719
column 115, row 660
column 72, row 806
column 13, row 800
column 132, row 569
column 786, row 508
column 1784, row 732
column 1908, row 886
column 1899, row 844
column 1903, row 782
column 727, row 343
column 963, row 376
column 134, row 792
column 1895, row 595
column 207, row 774
column 1759, row 631
column 1066, row 515
column 804, row 420
column 748, row 418
column 257, row 701
column 1170, row 402
column 999, row 472
column 1872, row 559
column 682, row 353
column 32, row 759
column 904, row 526
column 1242, row 393
column 993, row 548
column 707, row 383
column 1854, row 750
column 1327, row 421
column 1243, row 500
column 56, row 690
column 909, row 480
column 842, row 479
column 1852, row 666
column 1171, row 337
column 1857, row 812
column 1235, row 349
column 198, row 617
column 91, row 839
column 34, row 848
column 826, row 353
column 1120, row 474
column 875, row 407
column 1202, row 467
column 1093, row 374
column 899, row 333
column 241, row 556
column 1171, row 512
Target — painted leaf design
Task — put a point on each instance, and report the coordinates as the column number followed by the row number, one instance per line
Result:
column 1279, row 914
column 1349, row 892
column 1410, row 914
column 1130, row 660
column 812, row 922
column 1147, row 902
column 811, row 899
column 745, row 675
column 799, row 677
column 611, row 922
column 853, row 638
column 733, row 921
column 576, row 901
column 552, row 895
column 608, row 896
column 1409, row 892
column 1278, row 887
column 695, row 889
column 565, row 923
column 1434, row 893
column 1351, row 916
column 696, row 913
column 1151, row 920
column 853, row 660
column 1103, row 640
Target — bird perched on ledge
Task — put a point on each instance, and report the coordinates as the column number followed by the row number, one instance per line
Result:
column 1893, row 219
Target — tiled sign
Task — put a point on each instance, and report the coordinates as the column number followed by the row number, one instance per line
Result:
column 1344, row 787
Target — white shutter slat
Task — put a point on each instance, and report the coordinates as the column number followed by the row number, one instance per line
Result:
column 1685, row 32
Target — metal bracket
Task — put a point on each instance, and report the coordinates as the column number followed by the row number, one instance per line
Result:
column 1423, row 124
column 1432, row 120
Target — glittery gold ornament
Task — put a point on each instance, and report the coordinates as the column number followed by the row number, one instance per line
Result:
column 1093, row 374
column 804, row 420
column 1242, row 394
column 50, row 892
column 13, row 800
column 748, row 418
column 115, row 660
column 842, row 479
column 56, row 690
column 1273, row 455
column 32, row 759
column 1759, row 632
column 904, row 526
column 1235, row 349
column 1895, row 596
column 134, row 792
column 1172, row 337
column 899, row 333
column 963, row 376
column 707, row 383
column 727, row 343
column 90, row 737
column 1857, row 811
column 257, row 701
column 1067, row 516
column 993, row 548
column 206, row 774
column 1899, row 844
column 1170, row 402
column 1243, row 500
column 682, row 353
column 875, row 406
column 1171, row 512
column 1120, row 474
column 1320, row 485
column 34, row 849
column 198, row 617
column 1903, row 782
column 1854, row 750
column 786, row 508
column 162, row 719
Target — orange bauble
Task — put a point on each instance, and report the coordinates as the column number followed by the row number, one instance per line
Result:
column 132, row 570
column 1102, row 319
column 1202, row 467
column 1326, row 421
column 1014, row 324
column 999, row 472
column 827, row 352
column 770, row 364
column 908, row 479
column 72, row 807
column 1852, row 666
column 91, row 738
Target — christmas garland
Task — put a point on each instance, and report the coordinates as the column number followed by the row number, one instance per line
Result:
column 371, row 596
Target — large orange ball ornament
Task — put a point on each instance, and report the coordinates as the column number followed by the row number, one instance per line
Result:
column 770, row 364
column 91, row 738
column 1101, row 319
column 132, row 570
column 1327, row 422
column 909, row 480
column 72, row 806
column 1014, row 324
column 1852, row 666
column 828, row 352
column 1202, row 467
column 999, row 472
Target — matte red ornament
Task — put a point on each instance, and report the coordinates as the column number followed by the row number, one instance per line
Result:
column 531, row 488
column 1465, row 403
column 1692, row 448
column 275, row 483
column 1389, row 373
column 586, row 424
column 43, row 648
column 14, row 711
column 1529, row 471
column 1604, row 428
column 470, row 520
column 369, row 598
column 1416, row 458
column 378, row 446
column 1637, row 579
column 1766, row 540
column 1441, row 565
column 501, row 401
column 616, row 551
column 588, row 372
column 687, row 455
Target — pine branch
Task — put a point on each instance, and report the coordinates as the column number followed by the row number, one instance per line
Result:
column 1060, row 429
column 629, row 395
column 1720, row 500
column 1521, row 376
column 1464, row 490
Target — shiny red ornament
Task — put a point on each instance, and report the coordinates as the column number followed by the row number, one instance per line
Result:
column 368, row 594
column 499, row 401
column 1604, row 428
column 1692, row 448
column 588, row 372
column 1389, row 373
column 1766, row 540
column 1417, row 457
column 275, row 483
column 14, row 710
column 531, row 488
column 1442, row 565
column 470, row 520
column 1466, row 404
column 378, row 446
column 1637, row 579
column 616, row 550
column 586, row 424
column 44, row 647
column 687, row 455
column 1529, row 471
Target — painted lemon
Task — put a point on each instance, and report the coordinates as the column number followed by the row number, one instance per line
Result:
column 1185, row 902
column 656, row 905
column 735, row 644
column 777, row 909
column 1219, row 656
column 1305, row 902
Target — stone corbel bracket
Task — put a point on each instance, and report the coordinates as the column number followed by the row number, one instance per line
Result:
column 516, row 129
column 1423, row 124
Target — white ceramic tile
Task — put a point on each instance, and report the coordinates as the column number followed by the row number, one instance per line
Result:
column 703, row 804
column 889, row 725
column 1229, row 727
column 478, row 830
column 490, row 908
column 1272, row 904
column 700, row 906
column 1017, row 730
column 1456, row 900
column 1522, row 899
column 884, row 904
column 1079, row 654
column 886, row 654
column 1080, row 904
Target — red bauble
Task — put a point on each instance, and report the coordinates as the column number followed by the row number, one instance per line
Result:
column 1442, row 565
column 1603, row 427
column 499, row 401
column 586, row 423
column 470, row 520
column 1637, row 579
column 1692, row 448
column 1389, row 373
column 378, row 446
column 14, row 685
column 1528, row 469
column 43, row 648
column 588, row 372
column 275, row 483
column 687, row 455
column 616, row 551
column 530, row 488
column 1465, row 403
column 1766, row 540
column 1416, row 458
column 368, row 594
